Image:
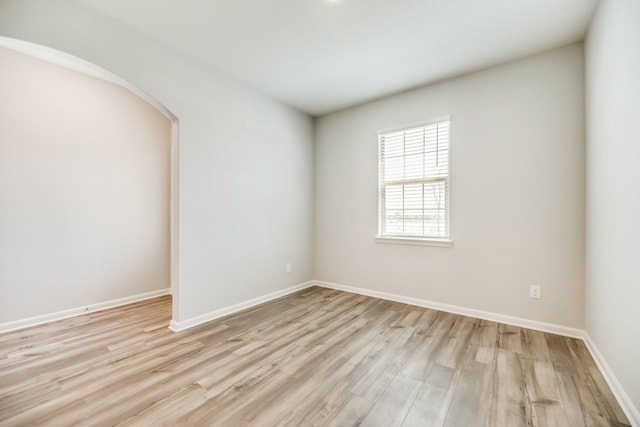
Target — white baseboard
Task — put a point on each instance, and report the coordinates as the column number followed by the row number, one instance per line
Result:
column 486, row 315
column 627, row 406
column 623, row 398
column 212, row 315
column 64, row 314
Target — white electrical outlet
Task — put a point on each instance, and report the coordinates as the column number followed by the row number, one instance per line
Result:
column 289, row 268
column 535, row 291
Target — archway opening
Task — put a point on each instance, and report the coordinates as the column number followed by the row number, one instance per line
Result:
column 63, row 216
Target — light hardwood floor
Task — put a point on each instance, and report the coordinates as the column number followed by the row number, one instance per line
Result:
column 317, row 357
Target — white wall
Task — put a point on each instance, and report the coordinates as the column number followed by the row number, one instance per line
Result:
column 245, row 160
column 84, row 190
column 613, row 189
column 517, row 178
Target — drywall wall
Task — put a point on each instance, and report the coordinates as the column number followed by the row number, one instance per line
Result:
column 84, row 190
column 612, row 52
column 517, row 180
column 245, row 160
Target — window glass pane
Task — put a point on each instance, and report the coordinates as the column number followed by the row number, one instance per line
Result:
column 416, row 161
column 413, row 196
column 393, row 169
column 395, row 150
column 413, row 222
column 393, row 197
column 413, row 166
column 394, row 222
column 414, row 144
column 435, row 208
column 434, row 195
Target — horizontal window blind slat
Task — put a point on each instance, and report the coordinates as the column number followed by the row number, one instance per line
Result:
column 414, row 174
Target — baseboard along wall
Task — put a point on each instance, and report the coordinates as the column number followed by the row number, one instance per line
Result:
column 77, row 311
column 623, row 398
column 630, row 410
column 464, row 311
column 225, row 311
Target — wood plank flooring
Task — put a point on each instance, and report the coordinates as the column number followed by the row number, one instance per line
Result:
column 319, row 357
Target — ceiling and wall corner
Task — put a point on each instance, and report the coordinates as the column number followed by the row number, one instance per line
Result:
column 319, row 57
column 230, row 137
column 222, row 68
column 517, row 198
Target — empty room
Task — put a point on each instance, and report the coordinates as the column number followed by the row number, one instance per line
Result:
column 319, row 213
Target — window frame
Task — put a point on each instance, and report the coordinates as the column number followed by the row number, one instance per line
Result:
column 381, row 237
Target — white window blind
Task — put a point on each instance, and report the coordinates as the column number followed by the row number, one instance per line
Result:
column 413, row 192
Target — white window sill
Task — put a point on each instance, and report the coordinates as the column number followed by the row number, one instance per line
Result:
column 426, row 241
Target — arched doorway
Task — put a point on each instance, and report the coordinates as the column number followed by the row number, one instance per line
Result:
column 58, row 58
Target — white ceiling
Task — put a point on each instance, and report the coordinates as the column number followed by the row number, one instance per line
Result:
column 320, row 56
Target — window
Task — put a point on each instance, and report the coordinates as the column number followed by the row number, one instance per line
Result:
column 413, row 195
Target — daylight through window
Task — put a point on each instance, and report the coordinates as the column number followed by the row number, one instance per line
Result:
column 414, row 181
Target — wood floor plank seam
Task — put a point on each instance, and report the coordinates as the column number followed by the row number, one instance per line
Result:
column 317, row 357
